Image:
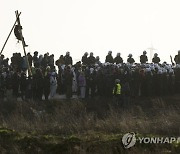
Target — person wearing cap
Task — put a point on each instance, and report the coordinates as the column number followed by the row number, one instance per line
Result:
column 118, row 59
column 84, row 59
column 109, row 57
column 130, row 59
column 156, row 59
column 68, row 59
column 143, row 58
column 177, row 58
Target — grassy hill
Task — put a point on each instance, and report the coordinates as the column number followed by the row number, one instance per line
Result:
column 92, row 126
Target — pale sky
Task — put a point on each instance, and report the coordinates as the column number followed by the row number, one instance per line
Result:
column 78, row 26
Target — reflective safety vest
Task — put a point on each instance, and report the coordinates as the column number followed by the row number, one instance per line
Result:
column 118, row 89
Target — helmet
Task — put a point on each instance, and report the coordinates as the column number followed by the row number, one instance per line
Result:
column 117, row 81
column 67, row 53
column 110, row 52
column 155, row 55
column 144, row 52
column 86, row 53
column 130, row 55
column 97, row 57
column 35, row 52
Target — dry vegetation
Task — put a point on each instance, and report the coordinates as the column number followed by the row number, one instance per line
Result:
column 93, row 120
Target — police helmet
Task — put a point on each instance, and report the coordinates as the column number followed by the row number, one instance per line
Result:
column 144, row 52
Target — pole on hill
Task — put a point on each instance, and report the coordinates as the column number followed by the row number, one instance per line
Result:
column 23, row 44
column 10, row 33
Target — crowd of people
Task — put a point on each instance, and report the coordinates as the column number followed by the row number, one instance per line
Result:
column 87, row 78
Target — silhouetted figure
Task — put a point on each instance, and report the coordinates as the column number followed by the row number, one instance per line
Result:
column 177, row 58
column 47, row 83
column 45, row 61
column 91, row 59
column 51, row 61
column 30, row 59
column 156, row 59
column 97, row 60
column 130, row 59
column 18, row 34
column 35, row 59
column 60, row 61
column 53, row 84
column 1, row 59
column 68, row 76
column 82, row 85
column 38, row 84
column 84, row 59
column 118, row 59
column 109, row 57
column 68, row 59
column 23, row 84
column 143, row 58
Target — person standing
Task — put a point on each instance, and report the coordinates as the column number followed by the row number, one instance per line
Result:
column 68, row 59
column 91, row 59
column 156, row 59
column 109, row 57
column 130, row 59
column 177, row 58
column 53, row 84
column 68, row 77
column 117, row 91
column 143, row 58
column 23, row 84
column 35, row 59
column 118, row 59
column 38, row 85
column 85, row 60
column 82, row 85
column 47, row 83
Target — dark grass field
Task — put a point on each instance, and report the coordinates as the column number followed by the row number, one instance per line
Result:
column 88, row 126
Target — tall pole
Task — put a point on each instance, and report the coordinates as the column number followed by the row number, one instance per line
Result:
column 23, row 44
column 10, row 33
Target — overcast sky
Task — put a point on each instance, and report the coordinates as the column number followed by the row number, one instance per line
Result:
column 78, row 26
